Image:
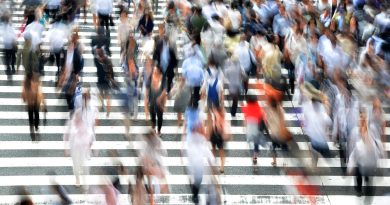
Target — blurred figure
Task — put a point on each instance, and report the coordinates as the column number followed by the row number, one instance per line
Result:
column 138, row 192
column 146, row 24
column 254, row 116
column 10, row 45
column 197, row 152
column 182, row 96
column 80, row 135
column 246, row 58
column 234, row 75
column 106, row 81
column 166, row 59
column 101, row 41
column 155, row 98
column 193, row 72
column 217, row 132
column 104, row 9
column 60, row 191
column 363, row 160
column 32, row 95
column 277, row 126
column 151, row 158
column 28, row 57
column 70, row 74
column 58, row 35
column 316, row 121
column 35, row 29
column 123, row 32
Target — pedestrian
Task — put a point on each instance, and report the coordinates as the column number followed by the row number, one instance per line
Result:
column 254, row 116
column 27, row 57
column 80, row 134
column 104, row 10
column 146, row 23
column 193, row 73
column 197, row 152
column 363, row 160
column 217, row 132
column 10, row 45
column 166, row 60
column 234, row 75
column 181, row 95
column 123, row 31
column 32, row 95
column 151, row 158
column 155, row 98
column 106, row 81
column 70, row 74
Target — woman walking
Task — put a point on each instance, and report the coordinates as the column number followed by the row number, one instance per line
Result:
column 32, row 95
column 80, row 135
column 155, row 98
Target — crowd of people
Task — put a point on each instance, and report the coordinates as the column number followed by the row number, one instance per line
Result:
column 328, row 57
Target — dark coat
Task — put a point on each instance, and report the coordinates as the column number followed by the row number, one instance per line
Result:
column 173, row 62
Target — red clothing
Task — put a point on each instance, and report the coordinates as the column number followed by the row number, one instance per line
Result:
column 253, row 111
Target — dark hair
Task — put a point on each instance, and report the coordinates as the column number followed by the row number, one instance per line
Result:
column 234, row 5
column 171, row 5
column 251, row 99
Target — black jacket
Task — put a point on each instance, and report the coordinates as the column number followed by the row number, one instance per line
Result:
column 172, row 58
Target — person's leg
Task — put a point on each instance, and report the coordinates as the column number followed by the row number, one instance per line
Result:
column 57, row 56
column 13, row 60
column 179, row 118
column 196, row 186
column 30, row 112
column 159, row 120
column 36, row 117
column 153, row 114
column 169, row 83
column 107, row 25
column 222, row 156
column 274, row 145
column 233, row 109
column 7, row 60
column 196, row 95
column 108, row 96
column 359, row 181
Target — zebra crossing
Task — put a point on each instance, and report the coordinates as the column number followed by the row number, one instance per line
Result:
column 27, row 164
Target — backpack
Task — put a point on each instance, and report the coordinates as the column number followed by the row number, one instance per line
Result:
column 213, row 95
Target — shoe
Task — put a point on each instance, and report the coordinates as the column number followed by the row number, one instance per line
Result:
column 195, row 199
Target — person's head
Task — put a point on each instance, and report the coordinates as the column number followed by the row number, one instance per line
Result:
column 211, row 62
column 74, row 37
column 282, row 9
column 251, row 99
column 148, row 14
column 234, row 5
column 171, row 5
column 161, row 29
column 124, row 14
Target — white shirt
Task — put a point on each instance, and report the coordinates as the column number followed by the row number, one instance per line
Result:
column 104, row 6
column 35, row 29
column 235, row 18
column 244, row 55
column 58, row 36
column 9, row 36
column 316, row 122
